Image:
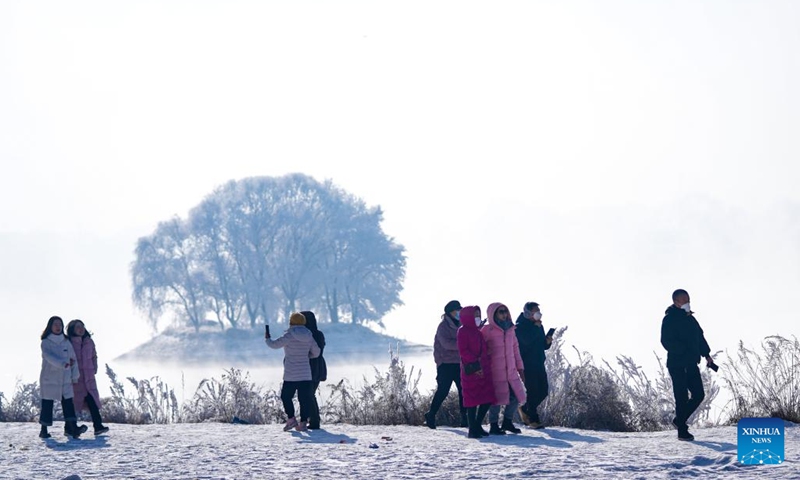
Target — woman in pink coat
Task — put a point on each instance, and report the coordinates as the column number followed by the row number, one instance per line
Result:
column 507, row 368
column 86, row 389
column 476, row 370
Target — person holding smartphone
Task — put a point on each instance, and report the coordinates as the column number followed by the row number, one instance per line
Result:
column 532, row 344
column 685, row 343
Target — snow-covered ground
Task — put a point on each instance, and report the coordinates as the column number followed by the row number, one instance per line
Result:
column 216, row 451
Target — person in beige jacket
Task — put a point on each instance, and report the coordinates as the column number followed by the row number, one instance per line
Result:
column 59, row 372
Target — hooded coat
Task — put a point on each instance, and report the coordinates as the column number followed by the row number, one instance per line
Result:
column 55, row 379
column 506, row 359
column 87, row 365
column 477, row 388
column 298, row 346
column 319, row 369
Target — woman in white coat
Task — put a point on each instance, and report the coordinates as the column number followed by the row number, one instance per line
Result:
column 59, row 372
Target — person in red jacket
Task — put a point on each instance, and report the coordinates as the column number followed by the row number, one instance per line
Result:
column 476, row 371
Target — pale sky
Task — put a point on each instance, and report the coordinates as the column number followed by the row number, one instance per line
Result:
column 591, row 156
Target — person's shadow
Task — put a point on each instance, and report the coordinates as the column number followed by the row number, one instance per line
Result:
column 77, row 444
column 517, row 440
column 570, row 436
column 322, row 436
column 722, row 447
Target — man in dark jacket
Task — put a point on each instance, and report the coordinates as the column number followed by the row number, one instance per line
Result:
column 319, row 369
column 532, row 344
column 683, row 339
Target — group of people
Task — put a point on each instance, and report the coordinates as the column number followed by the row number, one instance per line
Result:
column 69, row 366
column 495, row 364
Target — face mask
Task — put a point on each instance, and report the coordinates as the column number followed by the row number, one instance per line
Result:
column 457, row 315
column 687, row 307
column 537, row 316
column 477, row 321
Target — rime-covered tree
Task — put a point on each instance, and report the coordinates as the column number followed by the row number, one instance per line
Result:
column 364, row 268
column 166, row 275
column 255, row 249
column 223, row 285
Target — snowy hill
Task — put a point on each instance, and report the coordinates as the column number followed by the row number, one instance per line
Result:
column 215, row 450
column 246, row 347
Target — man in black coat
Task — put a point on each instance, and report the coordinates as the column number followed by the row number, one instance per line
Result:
column 319, row 369
column 683, row 339
column 532, row 344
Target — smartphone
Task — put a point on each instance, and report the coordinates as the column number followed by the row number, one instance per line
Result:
column 266, row 328
column 713, row 366
column 551, row 332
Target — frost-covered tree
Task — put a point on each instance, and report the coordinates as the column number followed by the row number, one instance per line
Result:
column 258, row 248
column 167, row 275
column 223, row 284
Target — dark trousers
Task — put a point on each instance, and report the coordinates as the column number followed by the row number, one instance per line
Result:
column 67, row 405
column 97, row 421
column 446, row 375
column 685, row 381
column 313, row 416
column 537, row 389
column 303, row 390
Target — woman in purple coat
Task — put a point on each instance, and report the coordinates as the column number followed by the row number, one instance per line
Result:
column 86, row 394
column 476, row 371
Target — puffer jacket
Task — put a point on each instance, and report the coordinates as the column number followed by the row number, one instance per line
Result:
column 506, row 359
column 87, row 364
column 477, row 387
column 298, row 346
column 682, row 338
column 57, row 376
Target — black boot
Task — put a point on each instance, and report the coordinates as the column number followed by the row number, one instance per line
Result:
column 430, row 420
column 480, row 414
column 473, row 423
column 80, row 429
column 683, row 434
column 508, row 426
column 494, row 429
column 100, row 429
column 43, row 432
column 71, row 429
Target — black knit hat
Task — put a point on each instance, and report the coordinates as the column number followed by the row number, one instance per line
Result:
column 452, row 305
